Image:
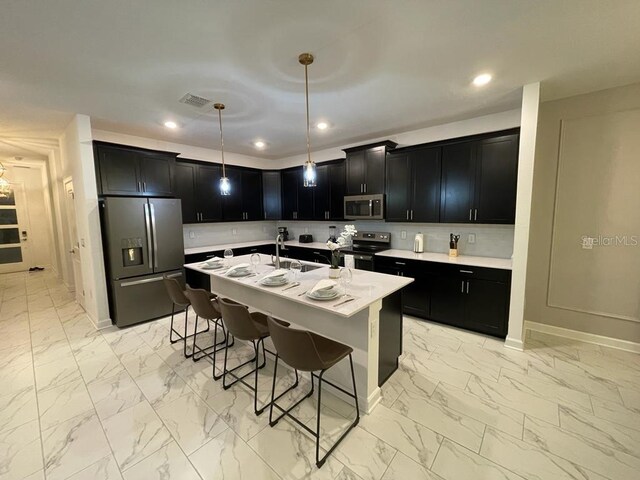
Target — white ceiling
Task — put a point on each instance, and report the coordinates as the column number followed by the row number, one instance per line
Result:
column 381, row 66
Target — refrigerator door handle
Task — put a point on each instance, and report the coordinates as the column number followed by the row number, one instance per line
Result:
column 141, row 282
column 147, row 224
column 155, row 235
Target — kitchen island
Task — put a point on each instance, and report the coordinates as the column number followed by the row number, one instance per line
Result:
column 371, row 324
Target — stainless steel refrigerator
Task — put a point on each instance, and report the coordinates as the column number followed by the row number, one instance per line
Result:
column 142, row 241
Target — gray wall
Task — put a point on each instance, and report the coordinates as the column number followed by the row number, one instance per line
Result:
column 586, row 183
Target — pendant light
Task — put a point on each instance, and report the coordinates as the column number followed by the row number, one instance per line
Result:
column 225, row 185
column 309, row 169
column 5, row 187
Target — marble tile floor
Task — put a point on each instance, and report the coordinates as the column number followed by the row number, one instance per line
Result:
column 76, row 403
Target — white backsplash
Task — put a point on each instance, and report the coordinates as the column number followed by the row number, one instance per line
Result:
column 206, row 234
column 491, row 240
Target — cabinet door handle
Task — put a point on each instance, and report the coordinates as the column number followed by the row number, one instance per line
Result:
column 470, row 213
column 365, row 188
column 467, row 287
column 466, row 271
column 144, row 186
column 400, row 263
column 475, row 214
column 139, row 187
column 411, row 214
column 407, row 214
column 462, row 286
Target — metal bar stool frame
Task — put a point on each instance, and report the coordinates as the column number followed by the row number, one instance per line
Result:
column 287, row 411
column 213, row 349
column 172, row 330
column 256, row 343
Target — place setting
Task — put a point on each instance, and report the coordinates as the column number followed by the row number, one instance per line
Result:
column 213, row 263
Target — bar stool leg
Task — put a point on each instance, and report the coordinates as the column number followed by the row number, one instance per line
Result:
column 172, row 331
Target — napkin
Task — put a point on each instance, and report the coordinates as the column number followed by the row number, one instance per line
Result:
column 276, row 273
column 238, row 267
column 213, row 261
column 323, row 285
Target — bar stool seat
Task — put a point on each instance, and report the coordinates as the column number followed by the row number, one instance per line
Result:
column 307, row 351
column 206, row 307
column 250, row 327
column 180, row 300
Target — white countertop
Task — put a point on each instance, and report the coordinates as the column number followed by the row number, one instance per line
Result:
column 467, row 260
column 366, row 287
column 255, row 243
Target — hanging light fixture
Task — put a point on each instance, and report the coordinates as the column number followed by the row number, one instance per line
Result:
column 225, row 185
column 309, row 169
column 5, row 186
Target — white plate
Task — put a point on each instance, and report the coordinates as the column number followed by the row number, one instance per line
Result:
column 269, row 283
column 239, row 273
column 323, row 297
column 211, row 267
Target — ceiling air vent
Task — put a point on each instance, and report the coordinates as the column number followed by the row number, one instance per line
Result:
column 194, row 100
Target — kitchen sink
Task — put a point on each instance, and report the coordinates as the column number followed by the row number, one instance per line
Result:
column 305, row 267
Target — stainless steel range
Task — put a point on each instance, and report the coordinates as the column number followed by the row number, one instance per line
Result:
column 365, row 246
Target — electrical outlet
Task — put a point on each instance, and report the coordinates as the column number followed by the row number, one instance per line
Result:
column 472, row 238
column 192, row 234
column 234, row 231
column 403, row 234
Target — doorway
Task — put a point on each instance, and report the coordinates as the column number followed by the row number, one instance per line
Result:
column 75, row 243
column 14, row 230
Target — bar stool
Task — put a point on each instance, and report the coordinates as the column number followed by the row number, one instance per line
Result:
column 206, row 307
column 309, row 352
column 180, row 300
column 250, row 327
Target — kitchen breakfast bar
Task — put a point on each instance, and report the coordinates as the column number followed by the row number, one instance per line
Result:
column 371, row 323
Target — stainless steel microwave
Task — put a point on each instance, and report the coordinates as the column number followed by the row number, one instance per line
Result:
column 364, row 207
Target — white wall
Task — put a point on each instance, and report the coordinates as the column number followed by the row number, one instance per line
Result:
column 77, row 152
column 473, row 126
column 606, row 173
column 185, row 151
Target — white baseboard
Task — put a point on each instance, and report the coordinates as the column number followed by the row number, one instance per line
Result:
column 583, row 336
column 514, row 343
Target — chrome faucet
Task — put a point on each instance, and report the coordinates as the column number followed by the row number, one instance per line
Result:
column 279, row 240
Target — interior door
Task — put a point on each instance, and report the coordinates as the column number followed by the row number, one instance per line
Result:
column 14, row 231
column 75, row 242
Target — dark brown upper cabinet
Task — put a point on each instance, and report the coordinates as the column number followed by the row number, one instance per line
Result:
column 413, row 185
column 365, row 168
column 124, row 170
column 325, row 201
column 479, row 180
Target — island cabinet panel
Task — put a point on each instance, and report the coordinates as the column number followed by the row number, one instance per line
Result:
column 271, row 188
column 467, row 297
column 413, row 185
column 365, row 168
column 479, row 180
column 125, row 170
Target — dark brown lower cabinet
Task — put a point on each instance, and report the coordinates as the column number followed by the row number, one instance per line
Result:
column 473, row 298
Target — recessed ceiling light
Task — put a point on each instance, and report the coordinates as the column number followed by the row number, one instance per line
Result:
column 322, row 125
column 482, row 79
column 259, row 144
column 170, row 124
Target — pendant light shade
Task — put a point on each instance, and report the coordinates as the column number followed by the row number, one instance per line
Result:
column 309, row 169
column 225, row 185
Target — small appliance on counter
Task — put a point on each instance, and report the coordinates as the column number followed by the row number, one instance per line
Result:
column 283, row 231
column 332, row 234
column 453, row 245
column 305, row 238
column 418, row 243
